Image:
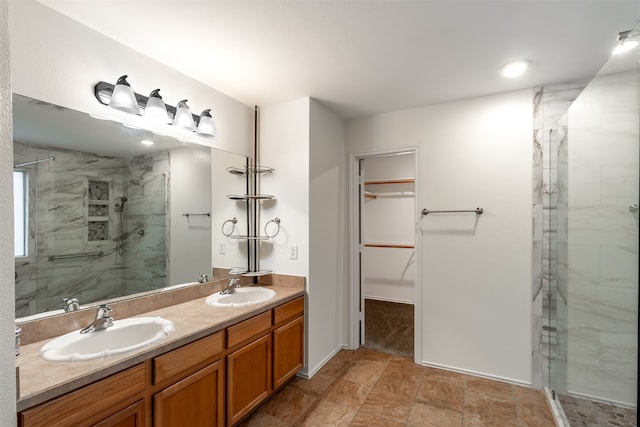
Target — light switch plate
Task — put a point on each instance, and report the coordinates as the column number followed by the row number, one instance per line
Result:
column 293, row 252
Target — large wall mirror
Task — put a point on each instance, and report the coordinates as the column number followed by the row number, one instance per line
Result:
column 101, row 213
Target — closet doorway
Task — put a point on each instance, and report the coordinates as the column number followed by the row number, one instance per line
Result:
column 386, row 252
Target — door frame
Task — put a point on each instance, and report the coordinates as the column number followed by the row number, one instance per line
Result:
column 355, row 315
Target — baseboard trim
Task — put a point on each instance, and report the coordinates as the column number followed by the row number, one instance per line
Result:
column 306, row 374
column 477, row 374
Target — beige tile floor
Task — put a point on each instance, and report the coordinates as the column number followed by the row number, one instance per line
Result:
column 369, row 388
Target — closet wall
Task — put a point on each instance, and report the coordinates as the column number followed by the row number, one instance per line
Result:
column 389, row 229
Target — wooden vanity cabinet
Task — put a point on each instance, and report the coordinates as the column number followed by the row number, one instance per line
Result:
column 113, row 401
column 248, row 367
column 194, row 395
column 214, row 381
column 288, row 341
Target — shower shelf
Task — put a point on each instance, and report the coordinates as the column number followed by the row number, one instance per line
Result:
column 250, row 170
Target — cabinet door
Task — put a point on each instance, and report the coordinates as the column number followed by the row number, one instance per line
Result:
column 197, row 400
column 248, row 378
column 132, row 416
column 89, row 404
column 288, row 351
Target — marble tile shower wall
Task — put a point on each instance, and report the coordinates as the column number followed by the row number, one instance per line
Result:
column 59, row 224
column 550, row 104
column 144, row 254
column 601, row 319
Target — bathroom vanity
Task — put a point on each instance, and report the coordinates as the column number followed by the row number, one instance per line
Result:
column 217, row 366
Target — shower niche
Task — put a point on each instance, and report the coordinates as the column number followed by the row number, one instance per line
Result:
column 98, row 207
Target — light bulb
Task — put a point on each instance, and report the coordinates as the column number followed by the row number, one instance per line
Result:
column 515, row 68
column 123, row 97
column 156, row 110
column 624, row 46
column 206, row 125
column 183, row 117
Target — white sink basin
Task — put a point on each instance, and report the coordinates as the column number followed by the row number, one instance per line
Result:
column 125, row 335
column 241, row 297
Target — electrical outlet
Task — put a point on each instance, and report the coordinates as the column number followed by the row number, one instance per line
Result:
column 221, row 249
column 293, row 252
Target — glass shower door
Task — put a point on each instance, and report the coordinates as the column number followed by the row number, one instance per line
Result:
column 595, row 303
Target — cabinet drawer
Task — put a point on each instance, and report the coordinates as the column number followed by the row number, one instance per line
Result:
column 288, row 311
column 79, row 407
column 249, row 328
column 186, row 357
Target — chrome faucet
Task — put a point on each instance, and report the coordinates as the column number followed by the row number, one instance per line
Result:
column 204, row 278
column 231, row 286
column 71, row 304
column 103, row 320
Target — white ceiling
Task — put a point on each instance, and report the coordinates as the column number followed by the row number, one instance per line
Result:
column 363, row 57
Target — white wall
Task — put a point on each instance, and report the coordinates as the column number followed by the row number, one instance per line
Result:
column 59, row 61
column 189, row 192
column 304, row 142
column 602, row 288
column 7, row 355
column 476, row 270
column 284, row 146
column 327, row 235
column 223, row 209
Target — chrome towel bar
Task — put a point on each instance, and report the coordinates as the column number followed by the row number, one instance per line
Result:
column 477, row 211
column 80, row 255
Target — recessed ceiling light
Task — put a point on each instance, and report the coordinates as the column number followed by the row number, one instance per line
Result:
column 624, row 44
column 515, row 68
column 146, row 142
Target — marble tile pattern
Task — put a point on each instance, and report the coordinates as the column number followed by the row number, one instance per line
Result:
column 585, row 413
column 64, row 221
column 370, row 388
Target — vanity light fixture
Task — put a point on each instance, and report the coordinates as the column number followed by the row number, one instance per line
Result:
column 207, row 126
column 515, row 68
column 146, row 142
column 123, row 97
column 156, row 110
column 153, row 109
column 183, row 117
column 624, row 45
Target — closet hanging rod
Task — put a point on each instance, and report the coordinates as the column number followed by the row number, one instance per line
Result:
column 386, row 245
column 477, row 211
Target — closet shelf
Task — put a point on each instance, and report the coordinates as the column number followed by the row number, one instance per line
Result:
column 389, row 245
column 250, row 170
column 250, row 196
column 389, row 181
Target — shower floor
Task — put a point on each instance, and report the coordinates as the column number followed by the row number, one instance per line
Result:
column 388, row 327
column 582, row 412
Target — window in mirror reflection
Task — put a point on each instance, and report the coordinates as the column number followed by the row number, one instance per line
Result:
column 20, row 212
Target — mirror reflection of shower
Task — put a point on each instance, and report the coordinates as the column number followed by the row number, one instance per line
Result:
column 119, row 207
